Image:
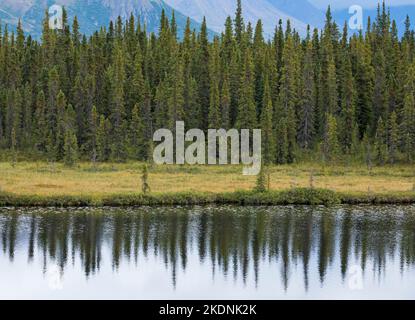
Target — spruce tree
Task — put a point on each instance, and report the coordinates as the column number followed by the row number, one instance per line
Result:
column 61, row 105
column 268, row 142
column 286, row 105
column 261, row 181
column 13, row 147
column 348, row 127
column 247, row 116
column 175, row 98
column 225, row 102
column 307, row 103
column 103, row 139
column 135, row 136
column 239, row 23
column 202, row 73
column 408, row 116
column 381, row 147
column 214, row 71
column 93, row 138
column 70, row 148
column 331, row 149
column 145, row 187
column 118, row 145
column 393, row 138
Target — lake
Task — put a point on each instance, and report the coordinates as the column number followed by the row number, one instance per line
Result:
column 345, row 252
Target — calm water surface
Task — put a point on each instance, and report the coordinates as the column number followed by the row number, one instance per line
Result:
column 208, row 253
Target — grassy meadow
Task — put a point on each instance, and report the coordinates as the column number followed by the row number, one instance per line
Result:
column 49, row 180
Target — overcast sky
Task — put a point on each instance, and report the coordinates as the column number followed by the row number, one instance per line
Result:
column 364, row 3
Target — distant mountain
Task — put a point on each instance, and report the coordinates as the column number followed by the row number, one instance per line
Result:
column 216, row 12
column 302, row 10
column 398, row 13
column 92, row 14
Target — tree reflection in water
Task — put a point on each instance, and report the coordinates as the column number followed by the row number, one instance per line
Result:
column 233, row 241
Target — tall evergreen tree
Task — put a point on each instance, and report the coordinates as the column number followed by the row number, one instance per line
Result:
column 239, row 23
column 408, row 116
column 393, row 138
column 307, row 103
column 268, row 142
column 118, row 146
column 247, row 116
column 331, row 149
column 381, row 146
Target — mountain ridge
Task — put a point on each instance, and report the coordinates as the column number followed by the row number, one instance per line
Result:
column 93, row 14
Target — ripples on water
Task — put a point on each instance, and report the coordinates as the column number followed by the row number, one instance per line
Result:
column 217, row 252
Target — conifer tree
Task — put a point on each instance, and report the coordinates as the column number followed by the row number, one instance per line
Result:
column 348, row 128
column 239, row 23
column 261, row 181
column 93, row 138
column 268, row 142
column 380, row 91
column 393, row 138
column 286, row 105
column 118, row 145
column 408, row 116
column 70, row 148
column 202, row 73
column 175, row 100
column 247, row 116
column 331, row 142
column 103, row 139
column 307, row 103
column 135, row 136
column 225, row 102
column 13, row 147
column 381, row 146
column 40, row 131
column 137, row 83
column 214, row 108
column 146, row 152
column 144, row 180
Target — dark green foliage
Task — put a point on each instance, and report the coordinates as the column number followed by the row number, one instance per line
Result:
column 145, row 187
column 393, row 137
column 326, row 90
column 13, row 148
column 331, row 148
column 381, row 146
column 244, row 198
column 70, row 148
column 261, row 184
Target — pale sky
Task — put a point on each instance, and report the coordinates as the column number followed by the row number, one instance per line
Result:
column 337, row 4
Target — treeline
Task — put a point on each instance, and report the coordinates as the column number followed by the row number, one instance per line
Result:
column 101, row 97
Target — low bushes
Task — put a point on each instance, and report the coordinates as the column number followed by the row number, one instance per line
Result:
column 242, row 198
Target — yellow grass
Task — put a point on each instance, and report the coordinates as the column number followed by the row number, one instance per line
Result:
column 40, row 178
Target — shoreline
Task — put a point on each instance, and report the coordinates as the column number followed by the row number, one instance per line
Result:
column 297, row 196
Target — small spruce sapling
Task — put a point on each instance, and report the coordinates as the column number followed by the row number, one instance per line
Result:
column 144, row 180
column 261, row 181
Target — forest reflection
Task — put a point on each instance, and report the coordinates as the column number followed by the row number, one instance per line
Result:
column 233, row 241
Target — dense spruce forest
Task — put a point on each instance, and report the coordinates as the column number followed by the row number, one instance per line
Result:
column 329, row 96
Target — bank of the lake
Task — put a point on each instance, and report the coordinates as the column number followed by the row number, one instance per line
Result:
column 295, row 196
column 45, row 184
